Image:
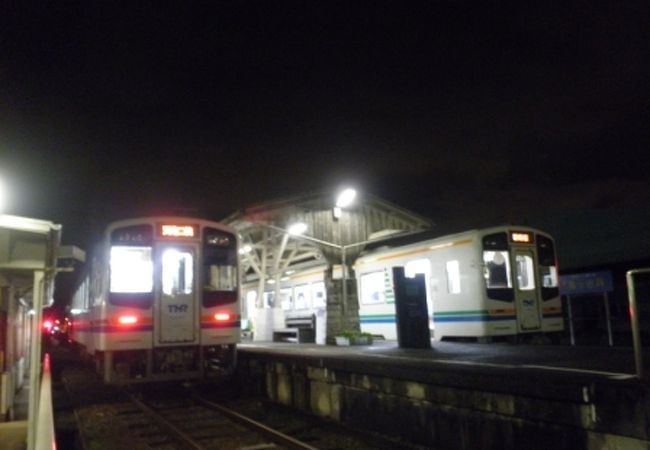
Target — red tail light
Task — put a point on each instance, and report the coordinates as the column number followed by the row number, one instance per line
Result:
column 47, row 325
column 127, row 320
column 222, row 316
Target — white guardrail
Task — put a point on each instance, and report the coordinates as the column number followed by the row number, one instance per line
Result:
column 44, row 424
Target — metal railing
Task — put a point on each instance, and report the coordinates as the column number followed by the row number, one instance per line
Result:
column 634, row 319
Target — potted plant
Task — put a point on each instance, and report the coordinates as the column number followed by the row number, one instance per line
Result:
column 347, row 337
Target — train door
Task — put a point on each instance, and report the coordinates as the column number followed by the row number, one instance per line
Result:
column 177, row 294
column 526, row 299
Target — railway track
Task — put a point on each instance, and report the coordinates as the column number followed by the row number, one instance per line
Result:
column 198, row 424
column 171, row 417
column 191, row 422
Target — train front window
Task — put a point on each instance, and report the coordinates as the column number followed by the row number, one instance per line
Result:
column 548, row 272
column 220, row 277
column 497, row 269
column 497, row 274
column 131, row 270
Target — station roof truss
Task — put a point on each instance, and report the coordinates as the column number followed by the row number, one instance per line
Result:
column 271, row 251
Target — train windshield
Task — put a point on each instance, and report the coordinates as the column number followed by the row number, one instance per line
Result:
column 131, row 270
column 547, row 267
column 496, row 267
column 220, row 278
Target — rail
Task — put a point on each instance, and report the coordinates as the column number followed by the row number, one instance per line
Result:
column 634, row 319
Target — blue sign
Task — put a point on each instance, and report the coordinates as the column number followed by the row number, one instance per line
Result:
column 586, row 283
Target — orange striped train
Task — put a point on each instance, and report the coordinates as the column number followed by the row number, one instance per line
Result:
column 500, row 281
column 161, row 301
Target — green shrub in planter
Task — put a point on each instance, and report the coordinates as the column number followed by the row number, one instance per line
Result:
column 347, row 337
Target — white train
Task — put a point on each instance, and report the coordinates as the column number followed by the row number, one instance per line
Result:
column 500, row 281
column 161, row 301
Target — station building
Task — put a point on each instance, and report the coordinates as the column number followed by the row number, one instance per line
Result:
column 296, row 255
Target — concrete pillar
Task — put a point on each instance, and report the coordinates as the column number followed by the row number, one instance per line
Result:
column 341, row 315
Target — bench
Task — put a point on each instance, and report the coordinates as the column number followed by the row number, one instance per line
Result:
column 298, row 328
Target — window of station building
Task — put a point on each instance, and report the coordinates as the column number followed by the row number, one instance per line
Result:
column 131, row 270
column 372, row 288
column 251, row 298
column 453, row 276
column 303, row 296
column 177, row 272
column 318, row 294
column 525, row 272
column 269, row 299
column 286, row 300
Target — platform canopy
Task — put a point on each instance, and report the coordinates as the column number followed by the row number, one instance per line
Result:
column 332, row 235
column 27, row 245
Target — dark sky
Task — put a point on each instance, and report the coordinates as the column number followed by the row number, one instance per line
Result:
column 469, row 113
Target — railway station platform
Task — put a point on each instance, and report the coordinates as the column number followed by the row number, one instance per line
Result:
column 463, row 396
column 13, row 434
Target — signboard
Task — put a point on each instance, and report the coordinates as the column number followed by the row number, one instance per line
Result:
column 586, row 283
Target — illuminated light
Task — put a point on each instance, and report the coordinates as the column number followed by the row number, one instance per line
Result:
column 222, row 316
column 439, row 246
column 520, row 237
column 3, row 196
column 47, row 324
column 346, row 198
column 76, row 311
column 245, row 249
column 178, row 230
column 289, row 272
column 297, row 229
column 127, row 320
column 284, row 279
column 271, row 281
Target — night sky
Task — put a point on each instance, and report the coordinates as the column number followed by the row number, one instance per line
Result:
column 468, row 113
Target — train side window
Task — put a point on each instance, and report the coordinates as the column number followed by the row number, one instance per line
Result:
column 525, row 273
column 453, row 277
column 372, row 288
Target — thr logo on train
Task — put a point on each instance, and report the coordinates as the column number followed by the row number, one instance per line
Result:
column 177, row 308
